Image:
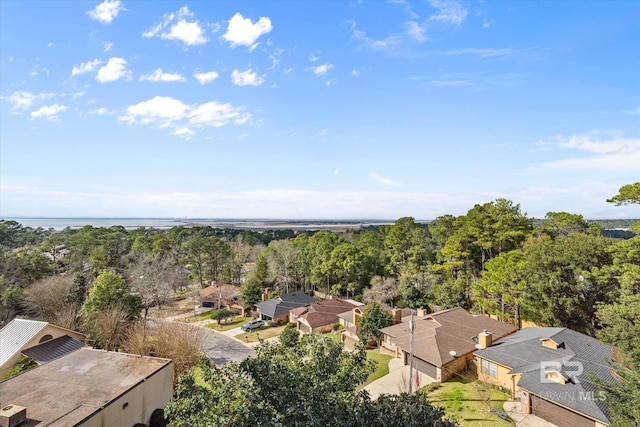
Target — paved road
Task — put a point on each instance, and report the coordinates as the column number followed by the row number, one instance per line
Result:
column 222, row 349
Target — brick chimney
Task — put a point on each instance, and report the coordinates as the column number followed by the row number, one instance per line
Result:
column 485, row 339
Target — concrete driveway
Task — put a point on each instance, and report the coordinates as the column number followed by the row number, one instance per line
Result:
column 397, row 380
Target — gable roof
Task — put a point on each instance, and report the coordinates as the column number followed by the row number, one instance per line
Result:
column 16, row 334
column 524, row 352
column 437, row 334
column 281, row 305
column 52, row 349
column 323, row 312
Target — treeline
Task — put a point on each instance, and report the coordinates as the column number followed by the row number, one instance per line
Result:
column 494, row 259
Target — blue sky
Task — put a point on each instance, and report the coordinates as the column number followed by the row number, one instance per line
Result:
column 323, row 109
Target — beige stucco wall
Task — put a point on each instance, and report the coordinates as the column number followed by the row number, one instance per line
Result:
column 137, row 405
column 502, row 378
column 54, row 331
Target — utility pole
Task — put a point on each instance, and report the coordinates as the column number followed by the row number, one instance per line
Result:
column 411, row 328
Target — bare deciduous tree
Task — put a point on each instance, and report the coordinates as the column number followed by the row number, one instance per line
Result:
column 46, row 298
column 177, row 341
column 381, row 290
column 108, row 326
column 153, row 277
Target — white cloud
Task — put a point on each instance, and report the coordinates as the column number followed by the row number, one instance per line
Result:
column 386, row 43
column 102, row 112
column 242, row 32
column 321, row 70
column 487, row 24
column 615, row 154
column 355, row 73
column 33, row 73
column 106, row 11
column 85, row 67
column 115, row 69
column 336, row 172
column 179, row 26
column 183, row 132
column 313, row 58
column 161, row 110
column 49, row 44
column 160, row 76
column 106, row 46
column 49, row 112
column 216, row 114
column 204, row 78
column 448, row 12
column 415, row 31
column 385, row 181
column 484, row 53
column 170, row 112
column 246, row 78
column 22, row 100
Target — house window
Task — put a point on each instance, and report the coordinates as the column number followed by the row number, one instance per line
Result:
column 489, row 368
column 45, row 338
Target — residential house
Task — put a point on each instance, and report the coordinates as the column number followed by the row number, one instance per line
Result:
column 443, row 342
column 551, row 372
column 218, row 296
column 351, row 319
column 90, row 388
column 277, row 309
column 320, row 316
column 21, row 334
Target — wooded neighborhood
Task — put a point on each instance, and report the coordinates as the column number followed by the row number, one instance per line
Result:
column 475, row 292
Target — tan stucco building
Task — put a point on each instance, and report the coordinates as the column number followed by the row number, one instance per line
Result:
column 91, row 388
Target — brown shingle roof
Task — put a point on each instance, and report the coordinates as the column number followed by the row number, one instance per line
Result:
column 448, row 330
column 324, row 312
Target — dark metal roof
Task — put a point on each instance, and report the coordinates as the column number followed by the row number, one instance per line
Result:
column 53, row 349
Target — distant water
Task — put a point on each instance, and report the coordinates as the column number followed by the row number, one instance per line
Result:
column 128, row 223
column 166, row 223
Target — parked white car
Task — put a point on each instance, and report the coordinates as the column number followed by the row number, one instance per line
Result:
column 252, row 324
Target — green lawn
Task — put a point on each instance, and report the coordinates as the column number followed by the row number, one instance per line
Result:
column 264, row 333
column 226, row 325
column 467, row 403
column 382, row 365
column 335, row 337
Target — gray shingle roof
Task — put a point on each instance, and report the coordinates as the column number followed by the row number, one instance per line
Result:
column 281, row 305
column 15, row 335
column 523, row 353
column 52, row 349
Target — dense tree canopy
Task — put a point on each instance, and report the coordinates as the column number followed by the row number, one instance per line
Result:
column 311, row 382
